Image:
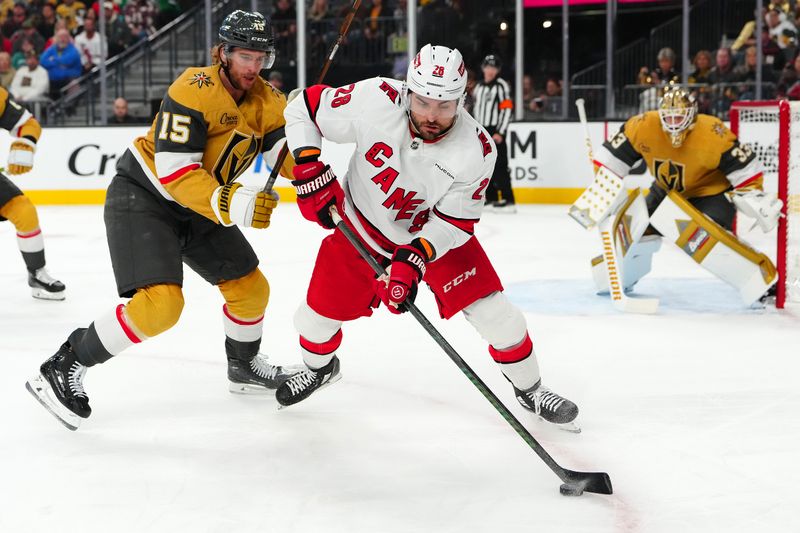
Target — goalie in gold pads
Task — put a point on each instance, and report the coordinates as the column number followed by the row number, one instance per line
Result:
column 702, row 175
column 175, row 200
column 15, row 206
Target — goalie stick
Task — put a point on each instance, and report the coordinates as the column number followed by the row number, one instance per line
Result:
column 284, row 151
column 575, row 483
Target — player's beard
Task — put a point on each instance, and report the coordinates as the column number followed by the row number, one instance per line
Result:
column 430, row 130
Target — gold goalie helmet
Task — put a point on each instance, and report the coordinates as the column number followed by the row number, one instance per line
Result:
column 677, row 110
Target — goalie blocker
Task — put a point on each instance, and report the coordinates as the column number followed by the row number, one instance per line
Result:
column 706, row 242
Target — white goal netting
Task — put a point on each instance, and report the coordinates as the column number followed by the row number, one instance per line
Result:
column 772, row 130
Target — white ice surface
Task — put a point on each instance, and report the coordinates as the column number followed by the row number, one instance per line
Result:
column 693, row 412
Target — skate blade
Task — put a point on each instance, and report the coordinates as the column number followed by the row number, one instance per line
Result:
column 570, row 427
column 331, row 381
column 249, row 389
column 41, row 390
column 41, row 294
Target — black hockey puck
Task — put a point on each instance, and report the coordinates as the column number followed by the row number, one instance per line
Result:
column 570, row 489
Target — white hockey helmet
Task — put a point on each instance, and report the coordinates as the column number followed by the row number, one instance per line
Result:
column 437, row 72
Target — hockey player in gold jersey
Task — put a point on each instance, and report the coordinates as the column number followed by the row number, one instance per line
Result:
column 18, row 208
column 175, row 200
column 702, row 175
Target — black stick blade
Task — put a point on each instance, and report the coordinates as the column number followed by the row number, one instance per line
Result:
column 597, row 482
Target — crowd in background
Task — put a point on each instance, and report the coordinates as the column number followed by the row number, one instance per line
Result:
column 46, row 44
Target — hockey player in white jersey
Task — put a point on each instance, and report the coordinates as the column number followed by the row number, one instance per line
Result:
column 413, row 192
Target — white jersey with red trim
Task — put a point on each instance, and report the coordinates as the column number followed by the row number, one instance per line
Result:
column 398, row 186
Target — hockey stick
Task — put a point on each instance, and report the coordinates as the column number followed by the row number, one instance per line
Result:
column 575, row 483
column 342, row 33
column 612, row 253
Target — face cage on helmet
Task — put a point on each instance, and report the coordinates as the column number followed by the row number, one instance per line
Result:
column 677, row 130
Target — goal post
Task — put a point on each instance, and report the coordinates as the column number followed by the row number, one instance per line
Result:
column 772, row 130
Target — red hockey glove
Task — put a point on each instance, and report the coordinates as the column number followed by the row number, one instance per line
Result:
column 408, row 268
column 317, row 190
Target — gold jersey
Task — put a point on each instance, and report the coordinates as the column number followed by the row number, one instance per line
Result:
column 201, row 138
column 710, row 160
column 16, row 119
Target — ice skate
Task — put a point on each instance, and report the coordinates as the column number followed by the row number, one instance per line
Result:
column 303, row 384
column 59, row 388
column 505, row 207
column 44, row 287
column 258, row 376
column 549, row 406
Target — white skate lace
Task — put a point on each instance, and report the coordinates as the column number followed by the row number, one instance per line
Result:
column 75, row 378
column 262, row 368
column 301, row 381
column 544, row 397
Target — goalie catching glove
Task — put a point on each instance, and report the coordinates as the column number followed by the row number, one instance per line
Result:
column 764, row 207
column 407, row 269
column 20, row 156
column 236, row 204
column 317, row 188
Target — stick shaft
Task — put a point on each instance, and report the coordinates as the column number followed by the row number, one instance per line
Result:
column 284, row 151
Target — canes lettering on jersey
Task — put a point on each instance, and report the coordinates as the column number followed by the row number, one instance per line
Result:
column 397, row 192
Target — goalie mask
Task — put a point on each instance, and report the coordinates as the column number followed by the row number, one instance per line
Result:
column 436, row 73
column 248, row 30
column 677, row 111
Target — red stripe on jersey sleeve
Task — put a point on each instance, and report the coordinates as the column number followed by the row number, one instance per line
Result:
column 467, row 225
column 178, row 173
column 312, row 97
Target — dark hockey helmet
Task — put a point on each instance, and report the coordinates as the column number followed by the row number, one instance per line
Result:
column 491, row 60
column 250, row 30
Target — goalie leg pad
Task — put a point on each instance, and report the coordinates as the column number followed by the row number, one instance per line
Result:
column 636, row 264
column 599, row 200
column 715, row 249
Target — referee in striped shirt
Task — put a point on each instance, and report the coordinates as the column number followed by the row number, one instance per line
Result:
column 492, row 109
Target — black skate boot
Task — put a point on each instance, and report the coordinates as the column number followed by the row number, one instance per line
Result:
column 59, row 387
column 549, row 406
column 258, row 375
column 44, row 287
column 300, row 386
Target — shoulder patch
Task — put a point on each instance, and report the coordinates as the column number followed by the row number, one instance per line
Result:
column 201, row 79
column 485, row 144
column 390, row 91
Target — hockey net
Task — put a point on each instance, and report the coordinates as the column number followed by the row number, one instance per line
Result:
column 772, row 130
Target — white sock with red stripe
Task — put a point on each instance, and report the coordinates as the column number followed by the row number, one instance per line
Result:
column 116, row 332
column 317, row 355
column 518, row 363
column 242, row 329
column 30, row 242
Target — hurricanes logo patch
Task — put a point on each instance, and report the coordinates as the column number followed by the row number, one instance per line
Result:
column 201, row 79
column 669, row 174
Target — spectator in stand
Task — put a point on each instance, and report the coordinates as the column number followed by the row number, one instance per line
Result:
column 6, row 8
column 551, row 103
column 25, row 47
column 469, row 100
column 747, row 75
column 787, row 84
column 27, row 31
column 722, row 77
column 121, row 116
column 140, row 16
column 284, row 23
column 276, row 79
column 376, row 11
column 31, row 82
column 118, row 33
column 320, row 9
column 665, row 71
column 46, row 25
column 62, row 62
column 18, row 15
column 7, row 72
column 700, row 76
column 783, row 32
column 72, row 13
column 92, row 45
column 528, row 91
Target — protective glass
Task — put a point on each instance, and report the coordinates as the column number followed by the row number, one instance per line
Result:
column 254, row 59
